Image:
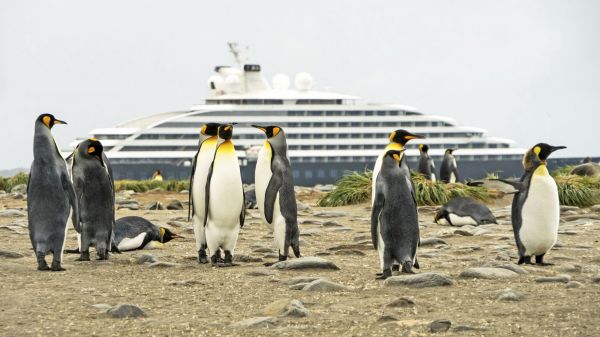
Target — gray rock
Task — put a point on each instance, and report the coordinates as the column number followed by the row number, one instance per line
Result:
column 301, row 279
column 423, row 280
column 432, row 242
column 185, row 283
column 11, row 213
column 257, row 322
column 250, row 198
column 329, row 214
column 574, row 284
column 157, row 205
column 20, row 189
column 553, row 279
column 462, row 328
column 302, row 206
column 175, row 205
column 262, row 250
column 387, row 318
column 488, row 273
column 17, row 196
column 355, row 252
column 162, row 264
column 146, row 258
column 364, row 238
column 10, row 255
column 339, row 229
column 513, row 267
column 596, row 279
column 260, row 272
column 323, row 285
column 298, row 286
column 509, row 295
column 401, row 302
column 286, row 308
column 463, row 232
column 125, row 310
column 311, row 262
column 440, row 325
column 571, row 268
column 131, row 204
column 331, row 224
column 247, row 258
column 310, row 232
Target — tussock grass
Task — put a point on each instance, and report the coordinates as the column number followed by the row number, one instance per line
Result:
column 574, row 190
column 140, row 186
column 355, row 187
column 563, row 171
column 7, row 184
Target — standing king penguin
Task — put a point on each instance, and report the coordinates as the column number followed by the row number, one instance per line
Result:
column 536, row 207
column 224, row 202
column 50, row 196
column 275, row 195
column 200, row 166
column 448, row 169
column 426, row 165
column 398, row 139
column 95, row 193
column 394, row 219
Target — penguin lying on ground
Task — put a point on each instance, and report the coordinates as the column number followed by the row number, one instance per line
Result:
column 200, row 166
column 461, row 211
column 274, row 187
column 95, row 193
column 394, row 219
column 134, row 232
column 589, row 169
column 50, row 196
column 426, row 165
column 536, row 207
column 448, row 169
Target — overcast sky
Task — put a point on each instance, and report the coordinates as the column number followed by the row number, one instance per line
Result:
column 525, row 70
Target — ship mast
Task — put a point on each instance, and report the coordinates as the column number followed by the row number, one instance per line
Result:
column 239, row 52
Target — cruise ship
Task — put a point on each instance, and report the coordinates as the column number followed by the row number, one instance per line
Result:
column 327, row 133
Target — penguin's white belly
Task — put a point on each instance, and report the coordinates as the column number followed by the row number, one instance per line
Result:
column 457, row 220
column 262, row 176
column 278, row 228
column 433, row 177
column 205, row 157
column 132, row 243
column 452, row 177
column 540, row 216
column 376, row 170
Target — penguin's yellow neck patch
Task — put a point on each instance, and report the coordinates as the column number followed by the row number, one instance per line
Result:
column 227, row 147
column 541, row 170
column 394, row 146
column 268, row 148
column 211, row 140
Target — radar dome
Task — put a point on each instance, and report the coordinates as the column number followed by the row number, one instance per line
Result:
column 303, row 82
column 281, row 82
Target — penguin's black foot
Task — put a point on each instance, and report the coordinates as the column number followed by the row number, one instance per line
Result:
column 525, row 259
column 386, row 273
column 228, row 261
column 281, row 257
column 395, row 267
column 71, row 251
column 202, row 257
column 56, row 266
column 85, row 256
column 102, row 257
column 43, row 267
column 539, row 260
column 41, row 260
column 215, row 260
column 544, row 264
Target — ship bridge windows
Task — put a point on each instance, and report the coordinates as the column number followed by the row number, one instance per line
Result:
column 101, row 137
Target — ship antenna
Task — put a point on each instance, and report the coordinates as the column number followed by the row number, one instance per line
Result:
column 239, row 52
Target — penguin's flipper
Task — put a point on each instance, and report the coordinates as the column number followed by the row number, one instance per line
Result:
column 518, row 185
column 243, row 212
column 271, row 194
column 190, row 203
column 375, row 212
column 207, row 190
column 70, row 190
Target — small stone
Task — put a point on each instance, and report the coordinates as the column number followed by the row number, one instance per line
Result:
column 131, row 205
column 424, row 280
column 440, row 325
column 20, row 189
column 298, row 286
column 574, row 284
column 125, row 310
column 262, row 250
column 257, row 322
column 146, row 258
column 349, row 252
column 247, row 258
column 301, row 279
column 331, row 224
column 185, row 283
column 323, row 285
column 286, row 308
column 463, row 232
column 460, row 328
column 311, row 262
column 432, row 242
column 387, row 318
column 157, row 205
column 508, row 295
column 162, row 264
column 302, row 206
column 553, row 279
column 310, row 232
column 488, row 273
column 11, row 213
column 359, row 238
column 10, row 255
column 401, row 302
column 514, row 268
column 102, row 306
column 175, row 205
column 329, row 214
column 339, row 229
column 571, row 268
column 260, row 272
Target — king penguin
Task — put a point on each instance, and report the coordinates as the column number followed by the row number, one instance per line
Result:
column 274, row 187
column 134, row 232
column 398, row 140
column 200, row 166
column 94, row 189
column 536, row 207
column 426, row 165
column 448, row 169
column 224, row 202
column 50, row 196
column 394, row 218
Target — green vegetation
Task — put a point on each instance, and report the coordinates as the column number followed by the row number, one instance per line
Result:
column 355, row 187
column 562, row 171
column 574, row 190
column 147, row 185
column 7, row 184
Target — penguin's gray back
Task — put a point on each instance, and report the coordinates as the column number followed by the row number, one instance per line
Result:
column 469, row 207
column 426, row 166
column 132, row 227
column 448, row 169
column 587, row 169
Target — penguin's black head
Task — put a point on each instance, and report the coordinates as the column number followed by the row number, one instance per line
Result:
column 226, row 131
column 49, row 121
column 210, row 129
column 442, row 213
column 271, row 130
column 402, row 136
column 449, row 151
column 424, row 148
column 543, row 150
column 93, row 149
column 166, row 235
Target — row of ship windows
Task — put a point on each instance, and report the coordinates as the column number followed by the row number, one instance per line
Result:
column 353, row 113
column 274, row 101
column 325, row 147
column 396, row 124
column 367, row 159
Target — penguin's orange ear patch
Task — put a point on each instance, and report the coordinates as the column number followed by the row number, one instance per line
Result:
column 46, row 120
column 276, row 131
column 203, row 130
column 91, row 149
column 396, row 156
column 537, row 150
column 392, row 136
